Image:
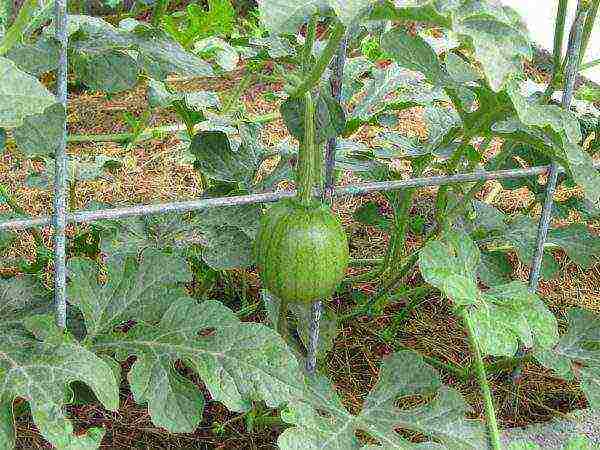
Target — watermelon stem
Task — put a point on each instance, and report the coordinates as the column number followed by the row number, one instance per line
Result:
column 306, row 159
column 282, row 319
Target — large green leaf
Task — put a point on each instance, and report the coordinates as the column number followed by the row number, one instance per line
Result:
column 237, row 362
column 228, row 248
column 376, row 90
column 579, row 244
column 157, row 54
column 216, row 159
column 413, row 53
column 494, row 269
column 330, row 117
column 521, row 233
column 558, row 119
column 40, row 373
column 20, row 298
column 40, row 134
column 131, row 236
column 286, row 16
column 160, row 56
column 460, row 70
column 226, row 233
column 439, row 120
column 140, row 291
column 499, row 47
column 504, row 315
column 226, row 56
column 37, row 58
column 581, row 167
column 111, row 71
column 229, row 233
column 161, row 96
column 577, row 354
column 429, row 11
column 509, row 312
column 322, row 422
column 21, row 95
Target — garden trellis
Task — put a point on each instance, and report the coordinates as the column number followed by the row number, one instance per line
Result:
column 61, row 216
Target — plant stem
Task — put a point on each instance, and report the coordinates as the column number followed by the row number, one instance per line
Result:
column 311, row 35
column 15, row 32
column 588, row 27
column 417, row 300
column 557, row 58
column 153, row 132
column 282, row 321
column 559, row 34
column 335, row 37
column 490, row 412
column 497, row 162
column 305, row 173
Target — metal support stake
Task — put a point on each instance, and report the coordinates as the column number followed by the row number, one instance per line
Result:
column 60, row 177
column 575, row 40
column 336, row 80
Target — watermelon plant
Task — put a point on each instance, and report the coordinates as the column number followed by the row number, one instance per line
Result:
column 354, row 65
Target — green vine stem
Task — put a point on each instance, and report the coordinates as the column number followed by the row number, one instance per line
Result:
column 559, row 34
column 311, row 35
column 15, row 32
column 594, row 6
column 479, row 366
column 152, row 133
column 305, row 172
column 335, row 37
column 282, row 320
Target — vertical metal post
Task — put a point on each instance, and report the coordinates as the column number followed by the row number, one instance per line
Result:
column 60, row 176
column 570, row 76
column 336, row 80
column 572, row 68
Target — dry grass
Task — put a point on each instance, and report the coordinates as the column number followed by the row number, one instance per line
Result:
column 153, row 172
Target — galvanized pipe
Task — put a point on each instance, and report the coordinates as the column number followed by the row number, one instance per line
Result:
column 269, row 197
column 571, row 72
column 60, row 175
column 546, row 217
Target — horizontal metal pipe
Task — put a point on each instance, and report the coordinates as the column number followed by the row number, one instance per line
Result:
column 269, row 197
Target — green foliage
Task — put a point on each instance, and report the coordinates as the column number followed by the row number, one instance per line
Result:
column 197, row 23
column 96, row 42
column 21, row 95
column 253, row 362
column 38, row 362
column 78, row 169
column 576, row 354
column 503, row 315
column 130, row 301
column 320, row 421
column 40, row 134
